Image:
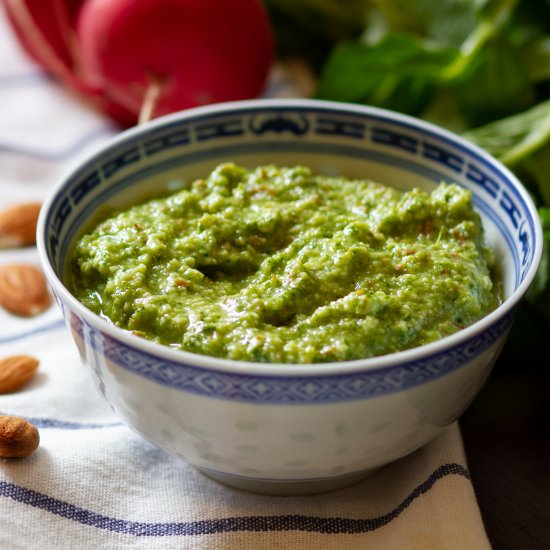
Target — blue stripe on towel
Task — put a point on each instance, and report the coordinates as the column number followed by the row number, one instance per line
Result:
column 18, row 80
column 63, row 154
column 294, row 522
column 45, row 328
column 65, row 425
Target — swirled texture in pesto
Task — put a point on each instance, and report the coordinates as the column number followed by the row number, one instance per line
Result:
column 279, row 265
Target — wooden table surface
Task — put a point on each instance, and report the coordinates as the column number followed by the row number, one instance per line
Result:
column 506, row 435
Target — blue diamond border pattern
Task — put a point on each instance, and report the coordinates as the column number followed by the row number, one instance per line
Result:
column 283, row 390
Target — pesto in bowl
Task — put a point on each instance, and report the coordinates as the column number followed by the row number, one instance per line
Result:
column 279, row 265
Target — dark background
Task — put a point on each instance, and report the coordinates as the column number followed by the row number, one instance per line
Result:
column 506, row 434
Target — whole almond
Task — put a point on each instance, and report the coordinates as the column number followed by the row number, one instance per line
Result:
column 16, row 371
column 18, row 225
column 23, row 289
column 18, row 437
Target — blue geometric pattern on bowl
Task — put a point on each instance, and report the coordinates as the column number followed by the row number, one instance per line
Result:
column 281, row 390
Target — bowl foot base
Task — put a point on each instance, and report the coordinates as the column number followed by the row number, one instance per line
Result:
column 287, row 487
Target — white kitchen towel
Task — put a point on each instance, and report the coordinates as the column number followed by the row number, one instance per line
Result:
column 94, row 484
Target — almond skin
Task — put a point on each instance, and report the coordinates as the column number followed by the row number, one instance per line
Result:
column 23, row 289
column 16, row 371
column 18, row 438
column 18, row 225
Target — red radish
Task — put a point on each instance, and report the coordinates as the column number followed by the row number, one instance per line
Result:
column 184, row 52
column 43, row 29
column 47, row 33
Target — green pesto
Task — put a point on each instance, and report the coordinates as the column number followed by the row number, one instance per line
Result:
column 279, row 265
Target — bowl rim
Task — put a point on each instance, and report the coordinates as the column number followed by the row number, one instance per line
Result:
column 240, row 367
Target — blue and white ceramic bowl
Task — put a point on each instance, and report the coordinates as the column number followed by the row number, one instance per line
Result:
column 290, row 428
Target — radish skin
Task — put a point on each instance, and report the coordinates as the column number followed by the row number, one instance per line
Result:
column 200, row 51
column 38, row 29
column 187, row 53
column 47, row 34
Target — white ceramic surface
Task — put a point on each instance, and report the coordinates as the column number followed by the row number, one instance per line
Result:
column 290, row 428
